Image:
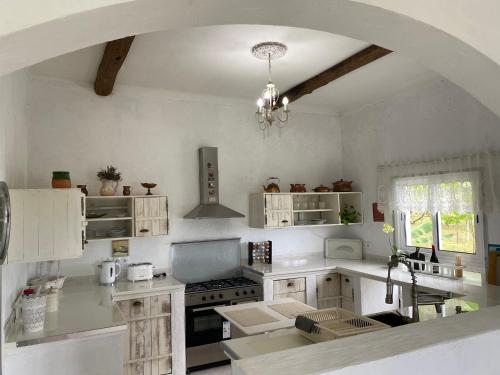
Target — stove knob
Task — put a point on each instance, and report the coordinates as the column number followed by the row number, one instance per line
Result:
column 212, row 297
column 220, row 296
column 237, row 294
column 203, row 298
column 245, row 292
column 252, row 291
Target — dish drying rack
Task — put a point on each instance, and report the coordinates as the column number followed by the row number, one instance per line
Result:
column 436, row 269
column 334, row 323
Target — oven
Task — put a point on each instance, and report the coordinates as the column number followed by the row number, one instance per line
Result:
column 205, row 329
column 203, row 324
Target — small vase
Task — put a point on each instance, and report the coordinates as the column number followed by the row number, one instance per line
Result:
column 108, row 187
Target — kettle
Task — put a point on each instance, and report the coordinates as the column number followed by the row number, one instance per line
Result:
column 109, row 271
column 272, row 185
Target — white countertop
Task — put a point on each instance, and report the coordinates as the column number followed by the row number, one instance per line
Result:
column 472, row 289
column 327, row 357
column 341, row 354
column 86, row 309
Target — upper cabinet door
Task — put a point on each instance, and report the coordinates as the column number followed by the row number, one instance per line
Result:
column 46, row 225
column 151, row 216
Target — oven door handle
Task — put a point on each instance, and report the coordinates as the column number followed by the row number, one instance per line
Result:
column 206, row 308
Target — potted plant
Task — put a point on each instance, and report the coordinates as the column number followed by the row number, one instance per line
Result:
column 396, row 254
column 349, row 215
column 109, row 178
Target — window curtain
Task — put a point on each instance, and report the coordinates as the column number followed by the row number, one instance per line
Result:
column 469, row 183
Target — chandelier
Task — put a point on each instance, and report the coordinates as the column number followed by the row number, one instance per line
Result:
column 268, row 110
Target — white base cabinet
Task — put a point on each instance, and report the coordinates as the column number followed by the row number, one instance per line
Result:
column 47, row 224
column 154, row 341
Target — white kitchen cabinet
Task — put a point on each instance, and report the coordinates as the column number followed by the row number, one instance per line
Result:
column 278, row 210
column 127, row 216
column 328, row 291
column 151, row 216
column 47, row 224
column 150, row 345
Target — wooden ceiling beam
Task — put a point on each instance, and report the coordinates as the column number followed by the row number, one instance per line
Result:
column 356, row 61
column 112, row 60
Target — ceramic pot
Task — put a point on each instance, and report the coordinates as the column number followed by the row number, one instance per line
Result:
column 298, row 188
column 126, row 190
column 108, row 187
column 61, row 180
column 342, row 186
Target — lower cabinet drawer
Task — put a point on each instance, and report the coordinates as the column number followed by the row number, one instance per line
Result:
column 289, row 285
column 299, row 296
column 327, row 303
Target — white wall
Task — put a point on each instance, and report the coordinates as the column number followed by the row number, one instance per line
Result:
column 153, row 135
column 427, row 122
column 13, row 168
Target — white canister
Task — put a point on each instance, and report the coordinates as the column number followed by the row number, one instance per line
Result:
column 33, row 312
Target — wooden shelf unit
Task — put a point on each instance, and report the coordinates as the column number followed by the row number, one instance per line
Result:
column 137, row 215
column 280, row 210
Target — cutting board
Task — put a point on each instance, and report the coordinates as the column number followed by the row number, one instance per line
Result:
column 251, row 317
column 291, row 309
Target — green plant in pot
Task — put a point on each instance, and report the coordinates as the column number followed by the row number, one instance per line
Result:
column 109, row 177
column 349, row 215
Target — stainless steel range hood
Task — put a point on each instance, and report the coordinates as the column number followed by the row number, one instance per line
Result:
column 209, row 207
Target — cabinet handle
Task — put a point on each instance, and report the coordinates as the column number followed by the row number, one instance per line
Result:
column 328, row 279
column 144, row 230
column 290, row 284
column 284, row 221
column 137, row 304
column 346, row 280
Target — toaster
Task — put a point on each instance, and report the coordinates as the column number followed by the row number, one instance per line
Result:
column 140, row 271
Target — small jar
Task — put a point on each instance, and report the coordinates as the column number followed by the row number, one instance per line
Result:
column 83, row 189
column 126, row 190
column 61, row 180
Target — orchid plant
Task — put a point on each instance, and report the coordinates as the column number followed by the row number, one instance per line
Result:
column 396, row 253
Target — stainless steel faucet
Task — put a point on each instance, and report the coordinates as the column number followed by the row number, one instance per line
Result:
column 414, row 290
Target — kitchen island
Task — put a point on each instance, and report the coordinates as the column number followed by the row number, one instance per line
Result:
column 458, row 344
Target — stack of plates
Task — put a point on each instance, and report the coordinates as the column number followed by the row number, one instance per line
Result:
column 117, row 232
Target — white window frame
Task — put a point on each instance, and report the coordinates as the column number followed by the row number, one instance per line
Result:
column 476, row 261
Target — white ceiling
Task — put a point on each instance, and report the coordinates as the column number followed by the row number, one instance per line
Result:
column 217, row 61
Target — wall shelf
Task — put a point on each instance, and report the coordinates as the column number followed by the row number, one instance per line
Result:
column 132, row 216
column 280, row 210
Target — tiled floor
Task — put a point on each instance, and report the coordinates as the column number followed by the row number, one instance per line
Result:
column 221, row 370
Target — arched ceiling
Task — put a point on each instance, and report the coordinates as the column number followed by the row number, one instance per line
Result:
column 217, row 60
column 447, row 41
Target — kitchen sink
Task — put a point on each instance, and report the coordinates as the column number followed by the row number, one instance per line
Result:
column 391, row 318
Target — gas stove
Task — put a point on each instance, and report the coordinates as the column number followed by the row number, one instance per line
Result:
column 222, row 290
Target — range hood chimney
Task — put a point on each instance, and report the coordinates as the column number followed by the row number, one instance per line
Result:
column 209, row 207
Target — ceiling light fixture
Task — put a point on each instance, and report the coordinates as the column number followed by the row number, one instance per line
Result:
column 268, row 110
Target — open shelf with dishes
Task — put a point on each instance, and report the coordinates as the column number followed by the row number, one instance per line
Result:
column 122, row 217
column 279, row 210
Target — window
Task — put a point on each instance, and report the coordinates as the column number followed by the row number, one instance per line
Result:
column 438, row 209
column 451, row 232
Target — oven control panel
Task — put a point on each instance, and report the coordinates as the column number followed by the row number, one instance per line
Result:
column 224, row 295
